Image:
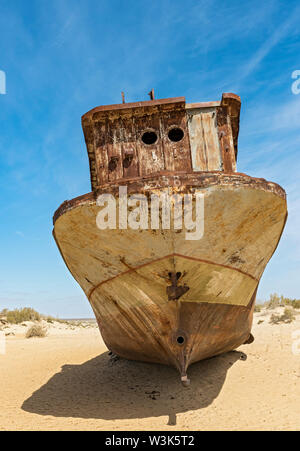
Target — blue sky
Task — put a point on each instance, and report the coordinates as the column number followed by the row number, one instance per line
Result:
column 64, row 57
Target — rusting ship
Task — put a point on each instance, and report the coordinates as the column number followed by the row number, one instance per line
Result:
column 157, row 296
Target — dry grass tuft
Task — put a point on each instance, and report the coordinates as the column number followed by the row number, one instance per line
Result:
column 281, row 301
column 287, row 317
column 18, row 316
column 37, row 330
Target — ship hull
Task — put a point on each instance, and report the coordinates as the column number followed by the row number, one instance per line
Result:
column 159, row 297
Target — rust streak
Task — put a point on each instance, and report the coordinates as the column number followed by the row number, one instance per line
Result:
column 133, row 269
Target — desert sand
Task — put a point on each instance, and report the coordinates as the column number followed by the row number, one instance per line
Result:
column 68, row 381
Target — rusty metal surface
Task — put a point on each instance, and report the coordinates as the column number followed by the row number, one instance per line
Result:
column 158, row 297
column 177, row 154
column 225, row 140
column 175, row 291
column 182, row 181
column 213, row 329
column 132, row 280
column 173, row 332
column 115, row 146
column 150, row 156
column 233, row 104
column 116, row 150
column 135, row 105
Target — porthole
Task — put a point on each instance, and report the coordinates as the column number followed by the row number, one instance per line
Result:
column 176, row 134
column 149, row 138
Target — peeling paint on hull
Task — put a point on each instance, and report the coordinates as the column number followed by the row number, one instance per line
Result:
column 124, row 273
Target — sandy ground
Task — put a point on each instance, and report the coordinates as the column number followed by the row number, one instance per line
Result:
column 67, row 381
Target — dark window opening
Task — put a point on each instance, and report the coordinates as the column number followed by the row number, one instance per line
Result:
column 112, row 165
column 175, row 134
column 180, row 340
column 149, row 138
column 127, row 161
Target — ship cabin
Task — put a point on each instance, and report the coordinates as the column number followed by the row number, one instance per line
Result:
column 131, row 140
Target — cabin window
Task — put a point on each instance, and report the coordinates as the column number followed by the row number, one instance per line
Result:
column 112, row 165
column 149, row 138
column 127, row 160
column 175, row 134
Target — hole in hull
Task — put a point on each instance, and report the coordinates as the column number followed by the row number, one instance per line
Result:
column 180, row 340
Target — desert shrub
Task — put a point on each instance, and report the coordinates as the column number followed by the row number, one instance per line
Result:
column 285, row 301
column 281, row 301
column 37, row 330
column 287, row 317
column 49, row 319
column 275, row 319
column 296, row 303
column 257, row 308
column 3, row 312
column 274, row 301
column 20, row 315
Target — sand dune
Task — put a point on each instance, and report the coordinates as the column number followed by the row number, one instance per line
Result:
column 68, row 381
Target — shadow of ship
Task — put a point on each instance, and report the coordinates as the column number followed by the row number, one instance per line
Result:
column 133, row 390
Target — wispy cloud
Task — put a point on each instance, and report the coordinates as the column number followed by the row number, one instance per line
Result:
column 276, row 36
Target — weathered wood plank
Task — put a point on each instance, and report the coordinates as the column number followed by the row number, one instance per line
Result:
column 205, row 149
